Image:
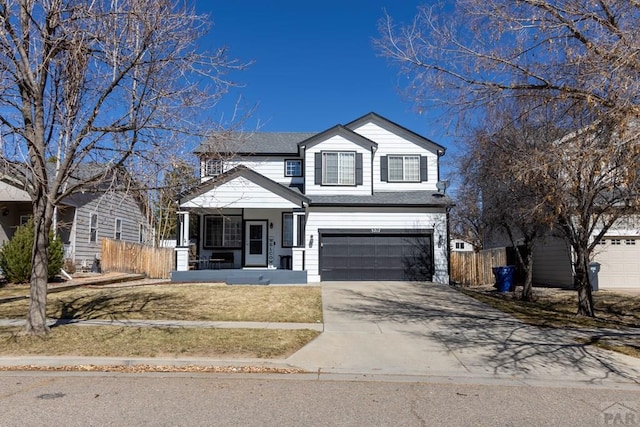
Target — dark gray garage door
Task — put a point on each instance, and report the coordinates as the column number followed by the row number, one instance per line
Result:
column 379, row 255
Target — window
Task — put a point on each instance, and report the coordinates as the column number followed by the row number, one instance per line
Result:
column 293, row 168
column 459, row 245
column 222, row 231
column 338, row 168
column 630, row 242
column 616, row 242
column 117, row 235
column 93, row 228
column 142, row 233
column 287, row 229
column 213, row 167
column 404, row 168
column 24, row 219
column 603, row 242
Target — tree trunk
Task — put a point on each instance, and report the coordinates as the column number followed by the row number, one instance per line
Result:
column 527, row 294
column 37, row 314
column 582, row 285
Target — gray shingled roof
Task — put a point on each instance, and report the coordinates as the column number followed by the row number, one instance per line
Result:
column 253, row 143
column 405, row 198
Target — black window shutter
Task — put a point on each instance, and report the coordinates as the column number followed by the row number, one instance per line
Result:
column 423, row 169
column 318, row 169
column 358, row 168
column 384, row 172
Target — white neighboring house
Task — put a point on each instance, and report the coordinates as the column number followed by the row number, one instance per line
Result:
column 459, row 245
column 355, row 202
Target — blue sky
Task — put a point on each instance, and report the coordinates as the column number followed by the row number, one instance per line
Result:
column 314, row 64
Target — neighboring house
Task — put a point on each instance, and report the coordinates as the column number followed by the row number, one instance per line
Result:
column 459, row 245
column 616, row 260
column 83, row 219
column 355, row 202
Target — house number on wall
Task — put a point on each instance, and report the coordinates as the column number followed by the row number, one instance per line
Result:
column 375, row 230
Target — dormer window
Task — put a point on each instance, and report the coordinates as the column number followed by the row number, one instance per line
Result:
column 339, row 168
column 213, row 167
column 403, row 168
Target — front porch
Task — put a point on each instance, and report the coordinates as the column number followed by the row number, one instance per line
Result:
column 247, row 276
column 241, row 228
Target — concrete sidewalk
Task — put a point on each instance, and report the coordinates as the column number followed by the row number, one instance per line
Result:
column 403, row 330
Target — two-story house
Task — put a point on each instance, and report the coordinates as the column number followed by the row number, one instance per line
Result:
column 356, row 202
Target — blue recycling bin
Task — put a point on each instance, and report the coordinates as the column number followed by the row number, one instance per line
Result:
column 504, row 277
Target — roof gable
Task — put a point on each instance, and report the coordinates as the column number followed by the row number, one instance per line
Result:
column 241, row 171
column 398, row 130
column 342, row 131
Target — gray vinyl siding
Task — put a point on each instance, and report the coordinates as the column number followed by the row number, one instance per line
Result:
column 552, row 263
column 108, row 206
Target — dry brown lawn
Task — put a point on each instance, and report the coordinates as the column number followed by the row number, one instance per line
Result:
column 207, row 302
column 557, row 308
column 126, row 341
column 190, row 302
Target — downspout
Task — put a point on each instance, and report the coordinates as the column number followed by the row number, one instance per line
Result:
column 373, row 152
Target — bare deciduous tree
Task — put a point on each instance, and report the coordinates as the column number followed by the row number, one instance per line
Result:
column 116, row 83
column 577, row 59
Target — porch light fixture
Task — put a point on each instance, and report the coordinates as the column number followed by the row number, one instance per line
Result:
column 270, row 225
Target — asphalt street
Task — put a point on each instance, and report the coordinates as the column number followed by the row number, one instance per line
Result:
column 54, row 399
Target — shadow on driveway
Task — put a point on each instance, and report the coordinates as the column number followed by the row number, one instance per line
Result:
column 484, row 340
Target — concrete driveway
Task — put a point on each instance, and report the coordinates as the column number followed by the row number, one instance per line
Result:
column 429, row 329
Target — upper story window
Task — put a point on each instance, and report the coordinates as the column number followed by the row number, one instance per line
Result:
column 404, row 168
column 213, row 167
column 293, row 167
column 459, row 245
column 339, row 168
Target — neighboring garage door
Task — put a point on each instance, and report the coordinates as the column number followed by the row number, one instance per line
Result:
column 619, row 259
column 376, row 255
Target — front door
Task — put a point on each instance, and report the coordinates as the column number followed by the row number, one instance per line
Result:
column 255, row 244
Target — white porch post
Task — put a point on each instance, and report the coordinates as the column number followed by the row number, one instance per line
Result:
column 184, row 228
column 297, row 252
column 182, row 247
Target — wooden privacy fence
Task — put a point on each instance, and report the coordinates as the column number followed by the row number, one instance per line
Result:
column 474, row 268
column 125, row 257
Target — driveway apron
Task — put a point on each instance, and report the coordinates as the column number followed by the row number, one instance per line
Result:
column 408, row 328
